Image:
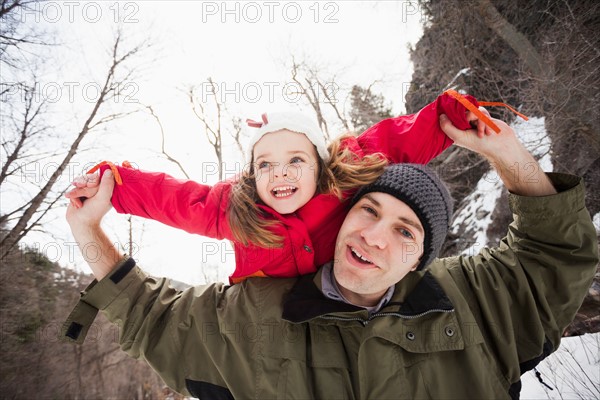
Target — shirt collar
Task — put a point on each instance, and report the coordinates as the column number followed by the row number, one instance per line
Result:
column 331, row 290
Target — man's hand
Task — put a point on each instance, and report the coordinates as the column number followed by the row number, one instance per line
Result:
column 490, row 145
column 96, row 205
column 97, row 250
column 517, row 168
column 478, row 125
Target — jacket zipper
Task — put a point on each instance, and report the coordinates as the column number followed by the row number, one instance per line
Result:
column 365, row 322
column 435, row 310
column 362, row 321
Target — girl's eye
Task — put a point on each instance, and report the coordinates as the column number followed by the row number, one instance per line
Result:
column 263, row 164
column 406, row 233
column 296, row 160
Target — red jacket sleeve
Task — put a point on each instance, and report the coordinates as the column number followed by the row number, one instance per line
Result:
column 415, row 138
column 183, row 204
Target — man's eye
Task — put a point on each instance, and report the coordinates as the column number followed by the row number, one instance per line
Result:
column 369, row 210
column 406, row 233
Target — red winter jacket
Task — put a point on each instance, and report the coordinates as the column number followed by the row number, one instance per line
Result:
column 309, row 233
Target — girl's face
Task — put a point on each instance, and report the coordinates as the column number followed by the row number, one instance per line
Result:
column 286, row 169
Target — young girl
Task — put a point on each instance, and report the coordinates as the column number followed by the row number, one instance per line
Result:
column 283, row 214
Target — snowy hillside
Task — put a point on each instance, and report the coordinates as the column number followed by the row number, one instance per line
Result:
column 475, row 216
column 572, row 372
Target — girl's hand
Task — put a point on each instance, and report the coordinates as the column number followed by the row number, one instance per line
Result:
column 86, row 186
column 87, row 180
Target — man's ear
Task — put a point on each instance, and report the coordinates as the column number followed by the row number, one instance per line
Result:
column 414, row 267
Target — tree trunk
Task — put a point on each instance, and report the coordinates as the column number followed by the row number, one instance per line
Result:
column 515, row 39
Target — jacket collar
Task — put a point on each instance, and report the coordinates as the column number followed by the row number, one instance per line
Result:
column 285, row 219
column 305, row 301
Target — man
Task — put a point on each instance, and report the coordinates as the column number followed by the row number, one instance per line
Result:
column 384, row 320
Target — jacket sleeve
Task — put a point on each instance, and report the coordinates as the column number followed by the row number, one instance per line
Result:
column 183, row 204
column 185, row 336
column 415, row 138
column 529, row 288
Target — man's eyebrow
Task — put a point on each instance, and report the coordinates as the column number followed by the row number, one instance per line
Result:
column 372, row 200
column 405, row 220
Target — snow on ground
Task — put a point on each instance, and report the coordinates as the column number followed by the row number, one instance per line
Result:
column 535, row 138
column 465, row 72
column 573, row 371
column 476, row 216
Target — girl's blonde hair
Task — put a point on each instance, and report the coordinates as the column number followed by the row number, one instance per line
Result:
column 344, row 171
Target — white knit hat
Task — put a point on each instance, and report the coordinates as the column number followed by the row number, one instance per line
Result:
column 292, row 121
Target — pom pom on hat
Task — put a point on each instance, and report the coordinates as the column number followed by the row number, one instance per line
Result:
column 292, row 121
column 420, row 188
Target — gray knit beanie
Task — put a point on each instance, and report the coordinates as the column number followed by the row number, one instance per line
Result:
column 421, row 189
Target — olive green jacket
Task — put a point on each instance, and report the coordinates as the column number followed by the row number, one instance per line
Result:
column 466, row 328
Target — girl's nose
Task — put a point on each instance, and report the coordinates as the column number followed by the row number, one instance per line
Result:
column 280, row 171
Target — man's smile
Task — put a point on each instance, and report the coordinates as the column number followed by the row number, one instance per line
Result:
column 356, row 257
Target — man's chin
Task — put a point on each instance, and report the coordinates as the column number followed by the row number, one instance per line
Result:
column 351, row 282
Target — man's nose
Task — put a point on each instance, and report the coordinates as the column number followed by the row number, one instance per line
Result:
column 374, row 235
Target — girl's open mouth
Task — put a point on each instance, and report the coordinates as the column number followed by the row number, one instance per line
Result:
column 283, row 191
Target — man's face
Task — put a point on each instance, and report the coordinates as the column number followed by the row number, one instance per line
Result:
column 380, row 241
column 286, row 168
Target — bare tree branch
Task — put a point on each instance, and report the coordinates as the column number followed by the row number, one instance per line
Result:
column 213, row 134
column 333, row 105
column 162, row 143
column 319, row 92
column 237, row 136
column 309, row 94
column 31, row 112
column 42, row 215
column 109, row 86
